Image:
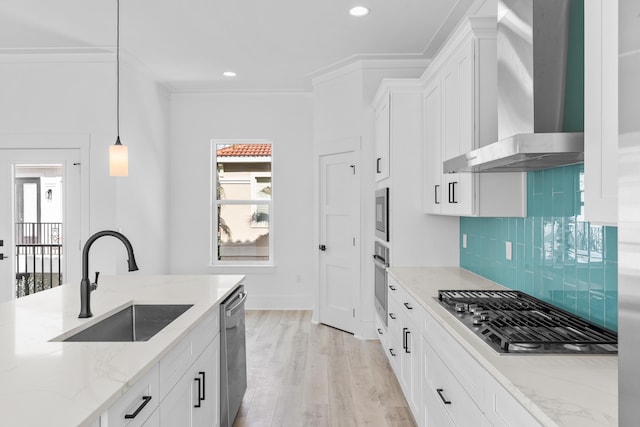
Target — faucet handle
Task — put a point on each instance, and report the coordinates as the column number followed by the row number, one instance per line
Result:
column 94, row 285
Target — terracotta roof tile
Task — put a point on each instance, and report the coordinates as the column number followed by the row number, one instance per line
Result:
column 245, row 150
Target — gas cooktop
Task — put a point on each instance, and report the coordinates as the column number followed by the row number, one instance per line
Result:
column 516, row 323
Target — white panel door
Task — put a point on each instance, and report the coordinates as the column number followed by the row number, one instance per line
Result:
column 35, row 202
column 339, row 201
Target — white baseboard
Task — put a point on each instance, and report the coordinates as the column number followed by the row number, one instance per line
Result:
column 278, row 302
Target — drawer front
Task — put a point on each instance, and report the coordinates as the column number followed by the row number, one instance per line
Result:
column 132, row 403
column 502, row 409
column 434, row 414
column 450, row 395
column 467, row 371
column 381, row 331
column 409, row 307
column 206, row 331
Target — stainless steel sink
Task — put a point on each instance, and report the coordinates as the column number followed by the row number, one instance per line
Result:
column 137, row 322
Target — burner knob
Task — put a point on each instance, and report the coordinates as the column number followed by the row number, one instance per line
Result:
column 461, row 307
column 477, row 320
column 473, row 308
column 484, row 316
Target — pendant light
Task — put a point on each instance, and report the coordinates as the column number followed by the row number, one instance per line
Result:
column 118, row 153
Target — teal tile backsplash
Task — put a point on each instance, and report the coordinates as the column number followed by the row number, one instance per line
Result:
column 557, row 256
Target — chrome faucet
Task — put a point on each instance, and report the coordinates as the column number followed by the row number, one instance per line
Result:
column 85, row 285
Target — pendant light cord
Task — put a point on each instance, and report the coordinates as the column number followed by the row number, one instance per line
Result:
column 118, row 70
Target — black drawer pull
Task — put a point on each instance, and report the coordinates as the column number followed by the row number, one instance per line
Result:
column 393, row 288
column 378, row 170
column 146, row 400
column 406, row 304
column 380, row 331
column 392, row 353
column 444, row 399
column 393, row 316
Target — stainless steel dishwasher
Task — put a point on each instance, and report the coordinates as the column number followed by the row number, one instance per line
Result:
column 233, row 356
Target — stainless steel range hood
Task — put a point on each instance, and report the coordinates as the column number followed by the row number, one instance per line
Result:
column 532, row 58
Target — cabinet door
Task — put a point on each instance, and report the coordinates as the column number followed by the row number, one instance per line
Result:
column 458, row 128
column 432, row 147
column 194, row 400
column 383, row 138
column 207, row 368
column 601, row 112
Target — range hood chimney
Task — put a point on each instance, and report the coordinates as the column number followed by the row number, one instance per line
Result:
column 532, row 48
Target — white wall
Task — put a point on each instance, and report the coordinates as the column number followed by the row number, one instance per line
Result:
column 342, row 112
column 285, row 119
column 75, row 94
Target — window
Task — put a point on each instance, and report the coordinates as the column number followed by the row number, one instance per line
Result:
column 242, row 203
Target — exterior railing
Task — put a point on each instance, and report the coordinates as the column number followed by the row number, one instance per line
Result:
column 38, row 257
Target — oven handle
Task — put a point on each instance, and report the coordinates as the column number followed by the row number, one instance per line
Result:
column 380, row 261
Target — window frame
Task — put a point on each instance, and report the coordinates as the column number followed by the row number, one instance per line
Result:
column 233, row 265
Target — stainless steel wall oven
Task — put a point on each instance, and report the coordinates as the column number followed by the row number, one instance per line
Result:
column 381, row 262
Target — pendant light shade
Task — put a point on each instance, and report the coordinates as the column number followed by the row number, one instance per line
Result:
column 118, row 153
column 118, row 159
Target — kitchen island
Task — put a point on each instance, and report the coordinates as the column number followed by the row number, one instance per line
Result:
column 557, row 390
column 53, row 383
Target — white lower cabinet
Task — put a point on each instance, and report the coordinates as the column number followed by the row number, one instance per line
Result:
column 442, row 383
column 501, row 409
column 136, row 405
column 447, row 394
column 183, row 389
column 194, row 400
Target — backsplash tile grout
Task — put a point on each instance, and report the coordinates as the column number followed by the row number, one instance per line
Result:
column 557, row 256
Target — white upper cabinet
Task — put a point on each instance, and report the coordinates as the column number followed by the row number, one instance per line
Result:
column 460, row 114
column 601, row 111
column 383, row 137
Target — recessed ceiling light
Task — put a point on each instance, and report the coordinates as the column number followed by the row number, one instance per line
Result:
column 229, row 74
column 358, row 11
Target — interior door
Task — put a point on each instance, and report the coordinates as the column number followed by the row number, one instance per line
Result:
column 24, row 226
column 339, row 261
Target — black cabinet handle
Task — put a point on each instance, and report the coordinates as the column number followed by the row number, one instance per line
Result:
column 406, row 304
column 392, row 353
column 378, row 165
column 201, row 389
column 393, row 288
column 322, row 247
column 435, row 195
column 405, row 339
column 197, row 405
column 444, row 399
column 204, row 387
column 452, row 192
column 146, row 399
column 393, row 316
column 380, row 331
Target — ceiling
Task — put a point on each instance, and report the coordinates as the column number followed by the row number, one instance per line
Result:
column 277, row 45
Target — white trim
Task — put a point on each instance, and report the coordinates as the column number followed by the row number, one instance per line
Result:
column 229, row 267
column 53, row 141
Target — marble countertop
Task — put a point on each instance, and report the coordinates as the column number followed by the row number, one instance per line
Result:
column 44, row 383
column 559, row 390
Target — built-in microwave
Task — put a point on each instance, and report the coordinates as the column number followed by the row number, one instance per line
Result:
column 382, row 214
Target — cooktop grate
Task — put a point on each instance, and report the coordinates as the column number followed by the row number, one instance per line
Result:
column 512, row 321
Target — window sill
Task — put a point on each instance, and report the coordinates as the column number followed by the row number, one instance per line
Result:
column 242, row 269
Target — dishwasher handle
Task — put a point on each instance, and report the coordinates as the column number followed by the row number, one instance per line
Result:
column 242, row 296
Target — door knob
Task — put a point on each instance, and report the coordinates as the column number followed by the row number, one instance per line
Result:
column 322, row 247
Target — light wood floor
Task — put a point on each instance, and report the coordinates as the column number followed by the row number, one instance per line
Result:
column 303, row 375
